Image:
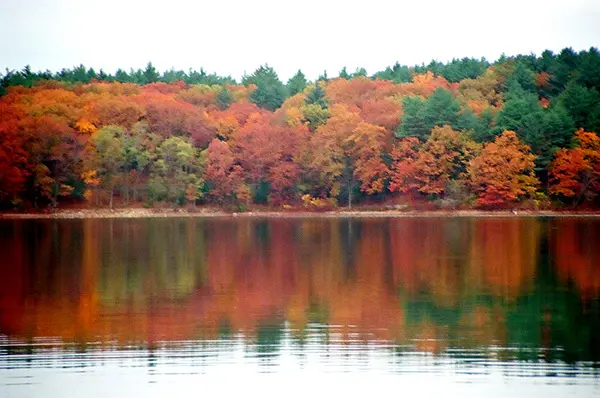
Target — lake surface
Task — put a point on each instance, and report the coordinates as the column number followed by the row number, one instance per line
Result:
column 279, row 307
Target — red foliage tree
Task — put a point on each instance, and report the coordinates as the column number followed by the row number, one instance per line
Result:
column 223, row 176
column 267, row 153
column 167, row 117
column 575, row 173
column 13, row 157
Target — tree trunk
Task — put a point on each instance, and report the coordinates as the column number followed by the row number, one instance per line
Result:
column 127, row 187
column 135, row 185
column 349, row 194
column 55, row 189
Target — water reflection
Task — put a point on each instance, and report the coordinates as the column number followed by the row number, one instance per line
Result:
column 516, row 296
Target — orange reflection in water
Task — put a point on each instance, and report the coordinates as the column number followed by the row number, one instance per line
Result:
column 424, row 281
column 503, row 255
column 575, row 248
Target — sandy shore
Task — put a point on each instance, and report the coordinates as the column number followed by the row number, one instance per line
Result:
column 340, row 213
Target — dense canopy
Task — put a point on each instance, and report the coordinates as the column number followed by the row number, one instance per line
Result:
column 520, row 131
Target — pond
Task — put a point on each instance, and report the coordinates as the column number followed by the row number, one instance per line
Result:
column 346, row 306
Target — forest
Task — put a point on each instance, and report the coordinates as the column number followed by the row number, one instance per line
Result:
column 519, row 132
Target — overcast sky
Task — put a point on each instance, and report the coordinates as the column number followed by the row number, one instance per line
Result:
column 231, row 37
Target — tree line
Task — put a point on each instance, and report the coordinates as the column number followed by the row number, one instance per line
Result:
column 468, row 133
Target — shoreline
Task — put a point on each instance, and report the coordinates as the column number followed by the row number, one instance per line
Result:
column 215, row 212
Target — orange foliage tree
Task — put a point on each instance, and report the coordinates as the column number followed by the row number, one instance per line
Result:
column 344, row 149
column 430, row 168
column 503, row 172
column 575, row 173
column 385, row 112
column 404, row 166
column 366, row 151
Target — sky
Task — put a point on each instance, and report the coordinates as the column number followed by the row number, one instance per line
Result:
column 233, row 37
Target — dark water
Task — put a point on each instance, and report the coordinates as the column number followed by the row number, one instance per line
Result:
column 351, row 307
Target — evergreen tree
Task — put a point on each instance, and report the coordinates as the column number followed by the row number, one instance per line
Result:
column 79, row 75
column 104, row 77
column 524, row 76
column 91, row 74
column 412, row 124
column 544, row 130
column 420, row 116
column 121, row 76
column 297, row 83
column 172, row 75
column 466, row 68
column 270, row 91
column 224, row 98
column 344, row 74
column 150, row 75
column 323, row 77
column 589, row 68
column 581, row 103
column 317, row 96
column 441, row 108
column 360, row 72
column 562, row 69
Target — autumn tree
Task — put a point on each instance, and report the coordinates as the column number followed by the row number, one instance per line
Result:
column 14, row 168
column 167, row 116
column 54, row 153
column 315, row 115
column 108, row 157
column 503, row 172
column 267, row 154
column 425, row 84
column 224, row 178
column 482, row 93
column 205, row 96
column 109, row 110
column 141, row 151
column 315, row 109
column 317, row 96
column 326, row 166
column 403, row 170
column 175, row 175
column 436, row 168
column 443, row 160
column 408, row 128
column 366, row 150
column 575, row 173
column 385, row 112
column 345, row 151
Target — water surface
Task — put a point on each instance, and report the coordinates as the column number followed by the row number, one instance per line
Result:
column 358, row 307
